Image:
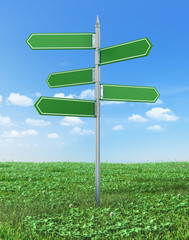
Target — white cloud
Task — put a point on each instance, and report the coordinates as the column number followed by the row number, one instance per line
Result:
column 37, row 94
column 118, row 127
column 23, row 145
column 36, row 122
column 6, row 121
column 79, row 131
column 19, row 100
column 16, row 134
column 87, row 94
column 52, row 135
column 1, row 98
column 137, row 118
column 62, row 95
column 11, row 134
column 158, row 102
column 71, row 121
column 29, row 132
column 161, row 114
column 155, row 128
column 111, row 102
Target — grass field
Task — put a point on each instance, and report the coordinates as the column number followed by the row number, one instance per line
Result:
column 57, row 201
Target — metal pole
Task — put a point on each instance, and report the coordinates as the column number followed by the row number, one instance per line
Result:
column 97, row 103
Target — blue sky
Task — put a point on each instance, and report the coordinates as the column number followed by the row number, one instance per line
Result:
column 130, row 132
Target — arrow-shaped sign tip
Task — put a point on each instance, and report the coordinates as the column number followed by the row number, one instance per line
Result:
column 28, row 41
column 48, row 80
column 158, row 95
column 37, row 103
column 150, row 46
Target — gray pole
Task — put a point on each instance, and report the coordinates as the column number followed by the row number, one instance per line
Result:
column 97, row 123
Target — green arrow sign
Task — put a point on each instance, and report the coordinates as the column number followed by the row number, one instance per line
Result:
column 60, row 41
column 125, row 51
column 65, row 107
column 129, row 93
column 70, row 78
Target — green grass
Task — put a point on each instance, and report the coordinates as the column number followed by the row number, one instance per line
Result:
column 138, row 201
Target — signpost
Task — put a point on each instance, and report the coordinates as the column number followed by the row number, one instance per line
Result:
column 128, row 93
column 71, row 78
column 65, row 107
column 125, row 51
column 97, row 122
column 85, row 108
column 45, row 41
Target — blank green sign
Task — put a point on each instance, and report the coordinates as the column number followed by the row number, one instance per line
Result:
column 70, row 78
column 65, row 107
column 60, row 41
column 125, row 51
column 129, row 93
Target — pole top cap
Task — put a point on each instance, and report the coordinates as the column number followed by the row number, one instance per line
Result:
column 97, row 20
